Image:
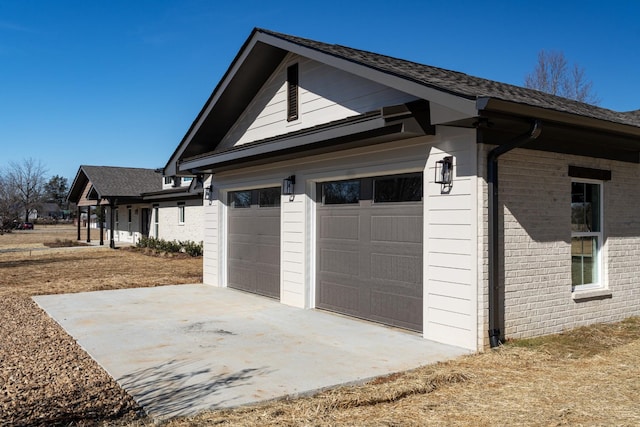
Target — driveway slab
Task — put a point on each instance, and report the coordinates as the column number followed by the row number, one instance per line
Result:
column 178, row 350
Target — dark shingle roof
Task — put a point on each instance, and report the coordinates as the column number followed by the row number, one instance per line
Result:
column 462, row 84
column 111, row 181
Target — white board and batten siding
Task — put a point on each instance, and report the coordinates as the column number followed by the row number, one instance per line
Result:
column 326, row 94
column 450, row 230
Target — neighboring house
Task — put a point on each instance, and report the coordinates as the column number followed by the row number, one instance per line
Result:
column 367, row 185
column 136, row 202
column 49, row 210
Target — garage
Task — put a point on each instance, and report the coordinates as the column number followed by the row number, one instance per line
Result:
column 369, row 257
column 254, row 241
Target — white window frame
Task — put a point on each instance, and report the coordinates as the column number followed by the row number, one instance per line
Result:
column 129, row 220
column 181, row 215
column 600, row 282
column 156, row 222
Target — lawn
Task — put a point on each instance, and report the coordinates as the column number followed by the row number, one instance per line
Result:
column 587, row 376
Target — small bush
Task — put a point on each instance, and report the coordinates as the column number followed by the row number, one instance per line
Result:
column 173, row 246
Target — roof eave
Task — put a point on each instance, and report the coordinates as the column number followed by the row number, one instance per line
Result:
column 366, row 130
column 529, row 111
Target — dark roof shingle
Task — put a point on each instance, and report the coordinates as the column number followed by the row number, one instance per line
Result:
column 462, row 84
column 112, row 181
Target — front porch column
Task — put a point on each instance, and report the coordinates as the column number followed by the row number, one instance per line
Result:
column 79, row 218
column 101, row 225
column 88, row 224
column 112, row 243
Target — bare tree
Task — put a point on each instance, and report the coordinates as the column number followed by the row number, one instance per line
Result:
column 553, row 74
column 9, row 203
column 28, row 181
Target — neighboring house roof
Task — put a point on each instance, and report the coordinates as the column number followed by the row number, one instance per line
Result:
column 570, row 126
column 109, row 182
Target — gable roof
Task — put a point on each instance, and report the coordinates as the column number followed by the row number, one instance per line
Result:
column 114, row 182
column 471, row 96
column 461, row 84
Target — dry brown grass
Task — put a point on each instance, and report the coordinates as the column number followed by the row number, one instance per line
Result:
column 587, row 376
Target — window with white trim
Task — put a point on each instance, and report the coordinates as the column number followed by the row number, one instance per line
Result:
column 586, row 234
column 129, row 222
column 181, row 214
column 156, row 222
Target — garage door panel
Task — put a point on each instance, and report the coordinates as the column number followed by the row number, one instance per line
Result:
column 370, row 254
column 343, row 227
column 396, row 229
column 397, row 268
column 268, row 254
column 254, row 243
column 340, row 297
column 391, row 309
column 268, row 284
column 242, row 278
column 338, row 261
column 239, row 251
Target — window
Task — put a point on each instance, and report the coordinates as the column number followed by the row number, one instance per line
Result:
column 341, row 192
column 292, row 93
column 269, row 198
column 181, row 214
column 240, row 199
column 117, row 220
column 187, row 179
column 586, row 234
column 399, row 188
column 168, row 180
column 156, row 222
column 129, row 222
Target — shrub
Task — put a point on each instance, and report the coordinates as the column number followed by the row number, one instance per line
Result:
column 173, row 246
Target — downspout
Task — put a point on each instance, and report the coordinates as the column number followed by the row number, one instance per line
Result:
column 494, row 250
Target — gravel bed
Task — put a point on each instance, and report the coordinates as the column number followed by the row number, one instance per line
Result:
column 46, row 378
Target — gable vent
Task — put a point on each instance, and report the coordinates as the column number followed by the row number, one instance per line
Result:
column 292, row 92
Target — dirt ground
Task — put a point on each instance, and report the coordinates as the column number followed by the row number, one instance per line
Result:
column 45, row 377
column 587, row 376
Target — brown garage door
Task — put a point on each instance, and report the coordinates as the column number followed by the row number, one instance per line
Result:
column 254, row 241
column 370, row 249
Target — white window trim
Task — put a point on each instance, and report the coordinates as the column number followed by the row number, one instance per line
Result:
column 129, row 221
column 600, row 284
column 181, row 215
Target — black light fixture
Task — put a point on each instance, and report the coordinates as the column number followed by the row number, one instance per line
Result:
column 208, row 193
column 444, row 171
column 288, row 184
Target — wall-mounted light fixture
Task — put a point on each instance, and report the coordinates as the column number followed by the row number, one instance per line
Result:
column 208, row 193
column 288, row 184
column 444, row 171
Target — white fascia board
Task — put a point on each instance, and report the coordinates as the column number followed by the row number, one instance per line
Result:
column 283, row 144
column 465, row 106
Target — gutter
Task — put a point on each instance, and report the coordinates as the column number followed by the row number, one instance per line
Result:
column 494, row 250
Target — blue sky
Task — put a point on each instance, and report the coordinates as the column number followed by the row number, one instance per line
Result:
column 118, row 83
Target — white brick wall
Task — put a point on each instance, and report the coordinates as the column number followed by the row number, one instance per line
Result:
column 169, row 227
column 535, row 202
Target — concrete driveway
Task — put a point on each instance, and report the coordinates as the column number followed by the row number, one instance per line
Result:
column 178, row 350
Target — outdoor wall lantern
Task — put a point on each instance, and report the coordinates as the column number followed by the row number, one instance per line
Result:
column 208, row 193
column 287, row 185
column 444, row 171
